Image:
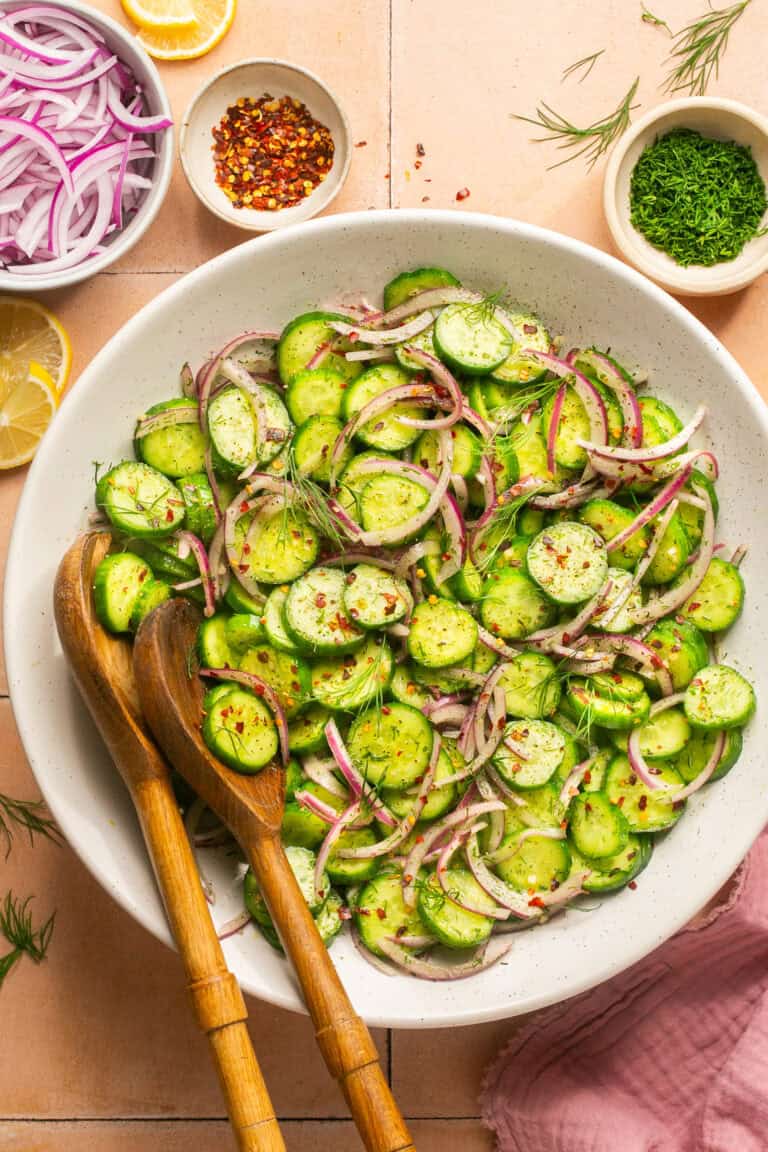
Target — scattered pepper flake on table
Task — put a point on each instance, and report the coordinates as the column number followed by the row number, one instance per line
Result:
column 270, row 153
column 462, row 193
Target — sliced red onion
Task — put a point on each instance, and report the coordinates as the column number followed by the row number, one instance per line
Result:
column 359, row 785
column 739, row 555
column 129, row 120
column 652, row 509
column 611, row 377
column 216, row 559
column 320, row 771
column 448, row 714
column 511, row 850
column 634, row 649
column 481, row 959
column 44, row 142
column 410, row 393
column 525, row 486
column 166, row 419
column 659, row 528
column 554, row 427
column 348, row 558
column 574, row 780
column 316, row 806
column 260, row 688
column 210, row 370
column 418, row 550
column 583, row 387
column 496, row 645
column 443, row 379
column 416, row 856
column 513, row 903
column 261, row 506
column 707, row 771
column 370, row 354
column 187, row 382
column 674, row 598
column 547, row 639
column 469, row 416
column 571, row 497
column 453, row 522
column 416, row 942
column 704, row 460
column 195, row 544
column 636, row 759
column 648, row 455
column 380, row 336
column 568, row 890
column 347, row 817
column 232, row 927
column 425, row 301
column 459, row 838
column 437, row 488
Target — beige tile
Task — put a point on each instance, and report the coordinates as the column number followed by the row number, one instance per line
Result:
column 347, row 48
column 300, row 1136
column 102, row 1027
column 439, row 1072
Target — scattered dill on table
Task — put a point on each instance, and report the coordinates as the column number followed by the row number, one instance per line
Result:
column 698, row 48
column 698, row 199
column 18, row 930
column 592, row 141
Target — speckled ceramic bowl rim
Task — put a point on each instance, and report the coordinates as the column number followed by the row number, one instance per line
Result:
column 674, row 914
column 132, row 53
column 720, row 279
column 343, row 146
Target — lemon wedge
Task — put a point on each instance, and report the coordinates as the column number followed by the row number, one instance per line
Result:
column 28, row 331
column 166, row 15
column 27, row 407
column 213, row 19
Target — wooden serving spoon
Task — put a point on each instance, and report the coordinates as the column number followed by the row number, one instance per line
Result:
column 252, row 807
column 102, row 666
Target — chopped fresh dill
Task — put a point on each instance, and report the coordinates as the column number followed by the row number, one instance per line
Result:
column 27, row 814
column 584, row 66
column 698, row 199
column 698, row 49
column 592, row 141
column 649, row 17
column 17, row 928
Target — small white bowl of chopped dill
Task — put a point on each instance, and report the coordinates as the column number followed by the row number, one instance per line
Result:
column 685, row 196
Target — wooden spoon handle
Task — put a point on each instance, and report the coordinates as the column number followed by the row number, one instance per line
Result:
column 216, row 997
column 343, row 1037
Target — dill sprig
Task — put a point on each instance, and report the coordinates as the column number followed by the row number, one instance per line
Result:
column 312, row 500
column 26, row 814
column 17, row 928
column 591, row 142
column 649, row 17
column 698, row 48
column 495, row 536
column 584, row 66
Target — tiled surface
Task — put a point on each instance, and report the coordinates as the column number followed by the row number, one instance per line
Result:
column 97, row 1050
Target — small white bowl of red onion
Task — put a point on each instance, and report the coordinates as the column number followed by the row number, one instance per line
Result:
column 86, row 143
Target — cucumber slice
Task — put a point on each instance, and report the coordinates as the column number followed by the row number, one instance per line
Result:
column 470, row 338
column 306, row 335
column 232, row 429
column 531, row 686
column 693, row 518
column 300, row 827
column 240, row 731
column 329, row 919
column 681, row 646
column 593, row 779
column 242, row 631
column 345, row 871
column 271, row 439
column 164, row 560
column 238, row 600
column 346, row 683
column 387, row 501
column 589, row 707
column 530, row 449
column 213, row 694
column 568, row 561
column 315, row 616
column 597, row 827
column 441, row 633
column 453, row 925
column 287, row 674
column 140, row 501
column 406, row 688
column 672, row 554
column 441, row 799
column 717, row 602
column 294, row 778
column 644, row 810
column 614, row 872
column 212, row 646
column 608, row 519
column 519, row 369
column 178, row 450
column 118, row 583
column 274, row 621
column 467, row 584
column 664, row 736
column 719, row 697
column 513, row 606
column 513, row 554
column 530, row 521
column 302, row 862
column 282, row 545
column 695, row 756
column 666, row 418
column 539, row 863
column 424, row 341
column 408, row 284
column 542, row 748
column 385, row 431
column 573, row 426
column 380, row 912
column 467, row 452
column 374, row 598
column 352, row 481
column 307, row 732
column 391, row 746
column 313, row 444
column 618, row 685
column 200, row 508
column 606, row 620
column 315, row 392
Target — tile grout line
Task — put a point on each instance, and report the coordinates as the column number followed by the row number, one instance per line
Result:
column 30, row 1120
column 391, row 103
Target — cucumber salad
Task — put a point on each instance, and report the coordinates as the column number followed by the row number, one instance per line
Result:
column 464, row 584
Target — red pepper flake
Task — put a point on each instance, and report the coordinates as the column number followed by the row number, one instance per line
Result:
column 381, row 913
column 239, row 727
column 270, row 153
column 169, row 515
column 417, row 164
column 633, row 885
column 462, row 194
column 420, row 150
column 642, row 803
column 530, row 329
column 361, row 144
column 320, row 600
column 536, row 902
column 363, row 911
column 587, row 777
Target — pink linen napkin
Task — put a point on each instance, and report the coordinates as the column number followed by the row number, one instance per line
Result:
column 670, row 1056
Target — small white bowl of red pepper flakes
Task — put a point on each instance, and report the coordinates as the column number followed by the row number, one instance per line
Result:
column 264, row 144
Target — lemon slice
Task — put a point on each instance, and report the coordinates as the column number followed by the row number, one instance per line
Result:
column 213, row 21
column 167, row 15
column 26, row 409
column 28, row 331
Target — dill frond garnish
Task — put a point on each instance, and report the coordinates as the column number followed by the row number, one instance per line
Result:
column 698, row 49
column 17, row 928
column 29, row 815
column 592, row 141
column 584, row 66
